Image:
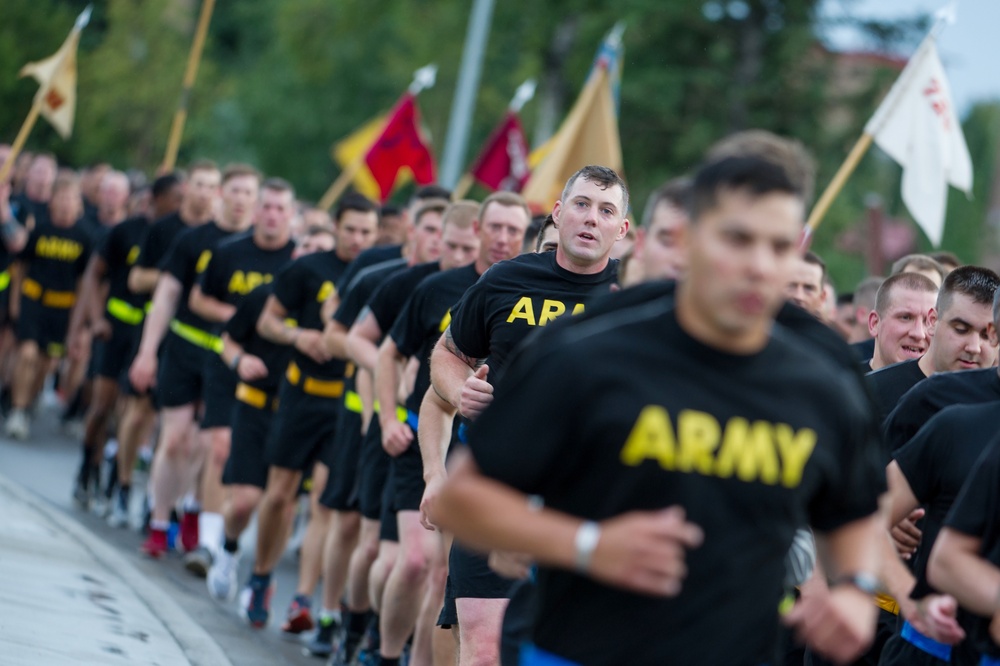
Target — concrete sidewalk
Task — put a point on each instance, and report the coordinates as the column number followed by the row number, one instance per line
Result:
column 68, row 598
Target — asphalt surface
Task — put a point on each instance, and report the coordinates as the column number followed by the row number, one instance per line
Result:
column 37, row 475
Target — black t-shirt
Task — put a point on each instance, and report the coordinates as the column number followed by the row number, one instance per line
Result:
column 159, row 239
column 424, row 318
column 934, row 394
column 302, row 287
column 242, row 328
column 119, row 249
column 514, row 297
column 186, row 259
column 370, row 257
column 238, row 266
column 631, row 413
column 937, row 462
column 390, row 297
column 887, row 385
column 56, row 256
column 975, row 514
column 361, row 288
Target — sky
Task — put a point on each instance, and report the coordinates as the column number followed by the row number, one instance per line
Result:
column 969, row 48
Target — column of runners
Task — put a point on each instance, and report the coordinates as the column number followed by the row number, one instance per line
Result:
column 282, row 352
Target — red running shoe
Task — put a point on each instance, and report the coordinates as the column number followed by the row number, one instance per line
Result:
column 155, row 545
column 189, row 531
column 299, row 619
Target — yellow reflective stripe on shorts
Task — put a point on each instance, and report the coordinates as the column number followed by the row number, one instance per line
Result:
column 887, row 603
column 31, row 289
column 4, row 280
column 324, row 388
column 196, row 336
column 253, row 396
column 51, row 299
column 353, row 402
column 124, row 312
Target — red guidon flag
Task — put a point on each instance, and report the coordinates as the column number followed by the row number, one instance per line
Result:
column 400, row 146
column 503, row 163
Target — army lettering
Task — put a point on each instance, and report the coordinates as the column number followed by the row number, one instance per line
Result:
column 535, row 314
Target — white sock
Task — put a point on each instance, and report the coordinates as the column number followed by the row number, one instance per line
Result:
column 211, row 530
column 190, row 504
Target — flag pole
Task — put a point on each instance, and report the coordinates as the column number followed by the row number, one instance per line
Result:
column 22, row 137
column 422, row 78
column 194, row 58
column 837, row 184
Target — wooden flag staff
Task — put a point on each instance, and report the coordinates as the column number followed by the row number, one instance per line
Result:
column 194, row 58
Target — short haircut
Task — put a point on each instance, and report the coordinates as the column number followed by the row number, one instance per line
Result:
column 914, row 281
column 163, row 184
column 461, row 214
column 788, row 153
column 550, row 222
column 811, row 257
column 202, row 165
column 864, row 293
column 430, row 192
column 237, row 169
column 978, row 283
column 945, row 258
column 602, row 176
column 356, row 202
column 675, row 192
column 757, row 175
column 430, row 206
column 920, row 262
column 531, row 235
column 65, row 179
column 509, row 199
column 390, row 209
column 278, row 185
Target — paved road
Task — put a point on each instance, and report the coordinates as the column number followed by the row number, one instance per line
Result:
column 44, row 466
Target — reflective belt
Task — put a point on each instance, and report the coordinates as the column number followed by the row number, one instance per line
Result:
column 533, row 656
column 412, row 419
column 887, row 603
column 400, row 412
column 62, row 300
column 463, row 432
column 987, row 660
column 254, row 397
column 353, row 402
column 196, row 336
column 124, row 312
column 925, row 644
column 4, row 280
column 324, row 388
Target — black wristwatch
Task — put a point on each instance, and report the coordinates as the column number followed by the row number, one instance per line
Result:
column 866, row 582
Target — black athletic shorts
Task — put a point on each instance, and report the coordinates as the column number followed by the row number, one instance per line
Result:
column 246, row 465
column 303, row 430
column 885, row 629
column 518, row 620
column 341, row 491
column 408, row 477
column 5, row 318
column 470, row 577
column 112, row 357
column 218, row 394
column 373, row 475
column 47, row 327
column 180, row 378
column 388, row 527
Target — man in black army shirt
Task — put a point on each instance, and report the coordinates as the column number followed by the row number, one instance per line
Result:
column 236, row 267
column 52, row 263
column 115, row 324
column 510, row 301
column 309, row 396
column 965, row 561
column 743, row 441
column 189, row 346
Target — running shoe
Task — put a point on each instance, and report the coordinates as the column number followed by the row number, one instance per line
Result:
column 198, row 561
column 17, row 426
column 189, row 531
column 221, row 580
column 155, row 545
column 255, row 604
column 322, row 643
column 299, row 618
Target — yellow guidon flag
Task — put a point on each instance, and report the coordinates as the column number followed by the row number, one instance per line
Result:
column 56, row 75
column 589, row 135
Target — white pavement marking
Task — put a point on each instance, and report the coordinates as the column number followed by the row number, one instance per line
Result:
column 68, row 598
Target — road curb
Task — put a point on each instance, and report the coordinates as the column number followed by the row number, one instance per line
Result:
column 197, row 645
